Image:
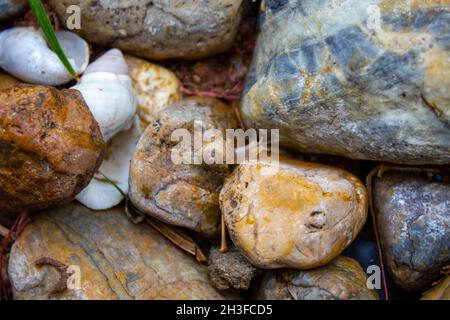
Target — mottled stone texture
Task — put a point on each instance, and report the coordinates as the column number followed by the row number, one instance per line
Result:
column 342, row 279
column 158, row 29
column 230, row 270
column 11, row 8
column 50, row 147
column 298, row 215
column 413, row 216
column 440, row 291
column 337, row 82
column 117, row 260
column 185, row 195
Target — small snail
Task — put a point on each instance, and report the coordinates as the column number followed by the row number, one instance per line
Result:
column 34, row 62
column 107, row 89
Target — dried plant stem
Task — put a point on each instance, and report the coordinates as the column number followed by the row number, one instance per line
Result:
column 4, row 232
column 223, row 242
column 178, row 238
column 61, row 286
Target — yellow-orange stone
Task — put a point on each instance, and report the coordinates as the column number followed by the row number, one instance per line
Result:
column 298, row 215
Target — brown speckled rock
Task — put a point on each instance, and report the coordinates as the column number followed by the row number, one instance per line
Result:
column 300, row 215
column 363, row 79
column 440, row 291
column 158, row 29
column 185, row 195
column 117, row 260
column 414, row 223
column 230, row 270
column 50, row 147
column 342, row 279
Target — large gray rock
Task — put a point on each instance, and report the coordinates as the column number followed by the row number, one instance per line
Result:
column 336, row 82
column 158, row 29
column 11, row 8
column 117, row 259
column 413, row 216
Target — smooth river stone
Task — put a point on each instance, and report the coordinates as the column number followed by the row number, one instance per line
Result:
column 300, row 215
column 413, row 215
column 342, row 279
column 362, row 79
column 117, row 259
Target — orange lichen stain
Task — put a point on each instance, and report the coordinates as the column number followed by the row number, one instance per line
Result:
column 327, row 69
column 288, row 193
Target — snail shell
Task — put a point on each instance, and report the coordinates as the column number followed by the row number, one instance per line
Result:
column 107, row 89
column 34, row 62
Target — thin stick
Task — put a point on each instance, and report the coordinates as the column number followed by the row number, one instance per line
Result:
column 223, row 240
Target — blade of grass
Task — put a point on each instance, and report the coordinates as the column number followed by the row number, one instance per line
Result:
column 47, row 29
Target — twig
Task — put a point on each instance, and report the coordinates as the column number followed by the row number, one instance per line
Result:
column 61, row 286
column 209, row 94
column 223, row 242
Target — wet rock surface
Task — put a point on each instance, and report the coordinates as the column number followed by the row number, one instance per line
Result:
column 440, row 291
column 360, row 79
column 50, row 147
column 298, row 215
column 117, row 259
column 158, row 29
column 11, row 8
column 414, row 224
column 185, row 195
column 230, row 270
column 342, row 279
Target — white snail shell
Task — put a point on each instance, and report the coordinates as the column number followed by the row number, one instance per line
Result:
column 25, row 54
column 107, row 89
column 100, row 194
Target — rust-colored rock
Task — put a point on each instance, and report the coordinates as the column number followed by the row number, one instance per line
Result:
column 342, row 279
column 298, row 215
column 116, row 259
column 50, row 147
column 413, row 215
column 158, row 29
column 185, row 195
column 440, row 291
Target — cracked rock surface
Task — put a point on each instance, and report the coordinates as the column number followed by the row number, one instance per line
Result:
column 361, row 79
column 158, row 29
column 342, row 279
column 50, row 147
column 298, row 215
column 183, row 194
column 413, row 216
column 117, row 259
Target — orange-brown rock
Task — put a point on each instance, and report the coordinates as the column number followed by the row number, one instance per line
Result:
column 298, row 215
column 6, row 81
column 342, row 279
column 50, row 147
column 116, row 259
column 440, row 291
column 185, row 195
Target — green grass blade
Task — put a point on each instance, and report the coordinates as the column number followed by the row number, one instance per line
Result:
column 47, row 29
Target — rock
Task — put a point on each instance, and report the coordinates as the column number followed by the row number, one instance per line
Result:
column 156, row 88
column 50, row 147
column 441, row 291
column 335, row 82
column 116, row 259
column 185, row 195
column 6, row 81
column 342, row 279
column 230, row 270
column 158, row 29
column 11, row 8
column 413, row 215
column 299, row 215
